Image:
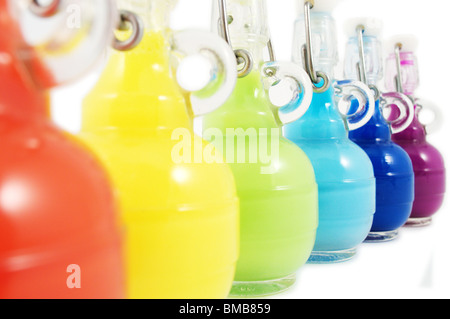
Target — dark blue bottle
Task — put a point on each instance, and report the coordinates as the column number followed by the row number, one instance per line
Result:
column 394, row 177
column 392, row 166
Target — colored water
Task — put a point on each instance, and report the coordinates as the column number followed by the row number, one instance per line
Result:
column 429, row 171
column 181, row 217
column 345, row 177
column 278, row 197
column 57, row 210
column 394, row 177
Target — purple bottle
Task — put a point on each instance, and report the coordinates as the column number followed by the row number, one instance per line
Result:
column 427, row 161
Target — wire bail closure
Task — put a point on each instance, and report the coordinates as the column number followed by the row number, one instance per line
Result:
column 402, row 101
column 361, row 65
column 129, row 20
column 308, row 60
column 420, row 106
column 398, row 78
column 270, row 71
column 243, row 57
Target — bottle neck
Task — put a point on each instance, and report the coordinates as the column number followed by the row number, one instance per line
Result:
column 249, row 106
column 372, row 58
column 137, row 92
column 322, row 121
column 409, row 72
column 415, row 133
column 377, row 130
column 257, row 47
column 154, row 13
column 328, row 69
column 19, row 95
column 324, row 41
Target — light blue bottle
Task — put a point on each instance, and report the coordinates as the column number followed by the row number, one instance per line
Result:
column 343, row 170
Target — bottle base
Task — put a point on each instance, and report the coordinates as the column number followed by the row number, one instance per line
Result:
column 419, row 222
column 382, row 237
column 331, row 257
column 253, row 289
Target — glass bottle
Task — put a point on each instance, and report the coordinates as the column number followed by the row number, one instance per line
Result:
column 428, row 163
column 180, row 211
column 343, row 170
column 393, row 168
column 275, row 180
column 59, row 233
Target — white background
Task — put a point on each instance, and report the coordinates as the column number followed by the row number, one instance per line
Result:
column 417, row 265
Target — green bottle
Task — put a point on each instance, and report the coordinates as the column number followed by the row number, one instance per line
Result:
column 275, row 180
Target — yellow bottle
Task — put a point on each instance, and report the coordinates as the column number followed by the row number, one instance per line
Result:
column 181, row 219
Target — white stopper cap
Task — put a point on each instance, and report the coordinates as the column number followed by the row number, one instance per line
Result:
column 195, row 72
column 409, row 43
column 372, row 26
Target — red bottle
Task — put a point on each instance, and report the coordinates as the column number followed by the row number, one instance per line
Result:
column 59, row 236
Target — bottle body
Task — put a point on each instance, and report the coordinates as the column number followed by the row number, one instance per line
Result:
column 181, row 217
column 278, row 197
column 58, row 215
column 345, row 177
column 427, row 161
column 429, row 171
column 394, row 177
column 57, row 211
